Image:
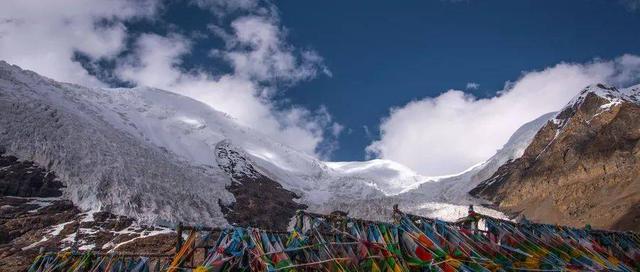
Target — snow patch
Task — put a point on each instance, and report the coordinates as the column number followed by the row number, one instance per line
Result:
column 144, row 234
column 192, row 122
column 452, row 212
column 35, row 244
column 87, row 247
column 58, row 228
column 40, row 203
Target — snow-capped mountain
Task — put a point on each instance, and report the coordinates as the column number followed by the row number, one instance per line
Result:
column 581, row 167
column 160, row 157
column 85, row 136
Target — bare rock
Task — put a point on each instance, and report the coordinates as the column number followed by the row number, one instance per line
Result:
column 583, row 167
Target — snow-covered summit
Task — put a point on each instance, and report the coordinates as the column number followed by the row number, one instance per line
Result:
column 613, row 94
column 610, row 97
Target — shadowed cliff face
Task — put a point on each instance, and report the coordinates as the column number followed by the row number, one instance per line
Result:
column 259, row 200
column 583, row 167
column 25, row 179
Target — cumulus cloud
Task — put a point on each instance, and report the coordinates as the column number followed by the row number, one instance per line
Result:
column 472, row 86
column 455, row 130
column 44, row 35
column 257, row 52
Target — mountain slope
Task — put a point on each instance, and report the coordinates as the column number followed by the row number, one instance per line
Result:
column 151, row 154
column 68, row 129
column 582, row 167
column 160, row 157
column 444, row 197
column 34, row 216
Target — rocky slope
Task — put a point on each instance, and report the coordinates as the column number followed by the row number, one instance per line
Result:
column 33, row 215
column 582, row 167
column 260, row 201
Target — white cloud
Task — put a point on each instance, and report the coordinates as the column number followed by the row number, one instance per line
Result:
column 632, row 5
column 472, row 86
column 336, row 129
column 221, row 7
column 156, row 60
column 257, row 52
column 44, row 36
column 456, row 130
column 367, row 132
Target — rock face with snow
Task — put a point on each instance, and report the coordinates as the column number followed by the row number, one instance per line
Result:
column 582, row 167
column 260, row 201
column 25, row 179
column 35, row 216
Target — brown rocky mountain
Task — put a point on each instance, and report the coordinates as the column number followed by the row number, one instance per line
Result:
column 583, row 167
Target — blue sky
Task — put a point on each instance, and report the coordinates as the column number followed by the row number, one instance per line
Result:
column 384, row 56
column 423, row 83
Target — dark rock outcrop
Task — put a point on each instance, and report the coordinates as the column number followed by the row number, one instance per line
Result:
column 25, row 179
column 260, row 201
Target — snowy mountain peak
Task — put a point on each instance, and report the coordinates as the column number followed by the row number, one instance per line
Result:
column 158, row 156
column 161, row 157
column 610, row 93
column 596, row 99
